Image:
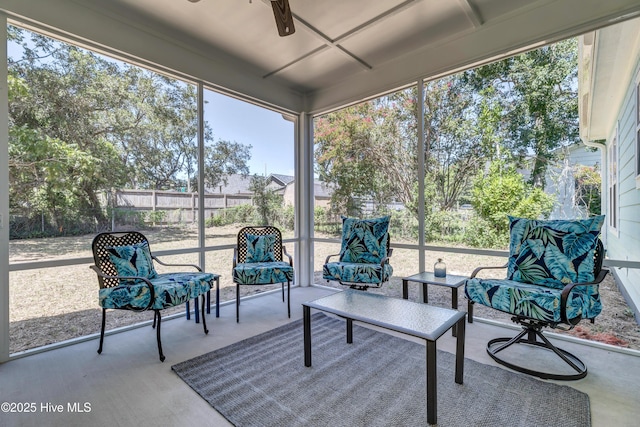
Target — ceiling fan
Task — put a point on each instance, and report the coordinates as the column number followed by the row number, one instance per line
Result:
column 284, row 19
column 282, row 13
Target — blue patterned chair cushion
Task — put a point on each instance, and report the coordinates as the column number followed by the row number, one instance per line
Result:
column 260, row 248
column 553, row 253
column 364, row 240
column 171, row 289
column 356, row 272
column 533, row 301
column 134, row 260
column 262, row 273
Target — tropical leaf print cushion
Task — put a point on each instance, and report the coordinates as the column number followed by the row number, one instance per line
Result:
column 553, row 252
column 133, row 260
column 260, row 248
column 364, row 240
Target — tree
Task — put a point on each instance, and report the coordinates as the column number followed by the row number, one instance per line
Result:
column 358, row 155
column 94, row 124
column 369, row 151
column 224, row 158
column 537, row 92
column 502, row 191
column 588, row 188
column 266, row 201
column 454, row 151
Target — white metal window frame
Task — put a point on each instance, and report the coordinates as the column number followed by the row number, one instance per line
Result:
column 613, row 188
column 637, row 131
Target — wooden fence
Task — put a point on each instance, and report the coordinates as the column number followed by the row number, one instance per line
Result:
column 171, row 207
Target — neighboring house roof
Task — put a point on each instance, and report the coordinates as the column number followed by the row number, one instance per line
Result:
column 281, row 179
column 239, row 184
column 236, row 184
column 321, row 189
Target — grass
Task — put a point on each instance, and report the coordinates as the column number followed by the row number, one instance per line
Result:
column 49, row 305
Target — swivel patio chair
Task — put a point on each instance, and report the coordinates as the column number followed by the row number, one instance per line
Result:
column 128, row 280
column 363, row 261
column 258, row 260
column 554, row 271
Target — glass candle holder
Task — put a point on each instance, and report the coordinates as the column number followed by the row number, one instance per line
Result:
column 440, row 269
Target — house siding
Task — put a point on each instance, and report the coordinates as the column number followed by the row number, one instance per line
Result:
column 625, row 244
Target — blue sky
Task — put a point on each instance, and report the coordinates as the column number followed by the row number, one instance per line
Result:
column 271, row 136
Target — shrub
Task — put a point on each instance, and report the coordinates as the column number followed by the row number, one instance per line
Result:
column 502, row 192
column 241, row 214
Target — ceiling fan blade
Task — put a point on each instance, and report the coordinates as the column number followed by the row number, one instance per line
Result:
column 284, row 20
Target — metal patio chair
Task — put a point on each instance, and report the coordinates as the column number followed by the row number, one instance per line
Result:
column 128, row 280
column 363, row 261
column 258, row 260
column 554, row 270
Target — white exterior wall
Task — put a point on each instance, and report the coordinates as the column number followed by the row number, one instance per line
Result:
column 623, row 243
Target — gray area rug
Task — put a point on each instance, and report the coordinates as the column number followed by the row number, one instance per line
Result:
column 379, row 380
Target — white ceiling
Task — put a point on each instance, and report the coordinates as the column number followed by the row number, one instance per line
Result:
column 342, row 50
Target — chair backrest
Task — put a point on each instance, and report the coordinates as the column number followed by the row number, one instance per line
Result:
column 553, row 253
column 365, row 240
column 262, row 230
column 101, row 255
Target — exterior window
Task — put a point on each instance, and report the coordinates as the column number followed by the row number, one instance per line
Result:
column 613, row 182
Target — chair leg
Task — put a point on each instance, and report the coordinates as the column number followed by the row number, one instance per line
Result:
column 204, row 322
column 282, row 286
column 237, row 303
column 189, row 310
column 533, row 333
column 104, row 315
column 195, row 309
column 157, row 314
column 288, row 298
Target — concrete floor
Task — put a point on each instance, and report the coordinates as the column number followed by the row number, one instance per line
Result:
column 128, row 386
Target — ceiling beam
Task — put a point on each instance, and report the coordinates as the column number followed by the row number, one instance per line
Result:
column 472, row 13
column 336, row 43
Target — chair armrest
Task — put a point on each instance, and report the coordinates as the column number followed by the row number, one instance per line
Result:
column 384, row 261
column 235, row 256
column 327, row 260
column 284, row 250
column 477, row 270
column 564, row 296
column 152, row 289
column 155, row 258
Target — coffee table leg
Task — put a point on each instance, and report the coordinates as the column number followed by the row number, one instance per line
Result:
column 454, row 305
column 460, row 350
column 425, row 293
column 405, row 289
column 432, row 401
column 349, row 331
column 306, row 314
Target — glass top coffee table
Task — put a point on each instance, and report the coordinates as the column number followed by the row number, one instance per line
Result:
column 399, row 315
